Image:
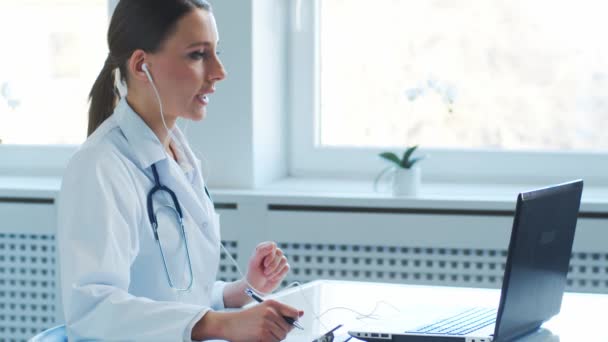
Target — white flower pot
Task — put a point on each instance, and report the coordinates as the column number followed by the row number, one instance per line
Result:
column 406, row 182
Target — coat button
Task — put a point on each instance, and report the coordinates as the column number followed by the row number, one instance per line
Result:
column 205, row 224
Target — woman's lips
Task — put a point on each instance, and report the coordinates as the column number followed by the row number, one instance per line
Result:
column 203, row 99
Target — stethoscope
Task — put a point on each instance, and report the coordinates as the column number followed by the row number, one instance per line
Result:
column 177, row 210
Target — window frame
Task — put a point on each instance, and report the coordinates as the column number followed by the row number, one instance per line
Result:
column 39, row 160
column 35, row 160
column 308, row 159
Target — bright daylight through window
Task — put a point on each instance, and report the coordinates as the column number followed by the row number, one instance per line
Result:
column 500, row 74
column 52, row 50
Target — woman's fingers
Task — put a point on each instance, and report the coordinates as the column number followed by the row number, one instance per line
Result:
column 274, row 315
column 286, row 310
column 275, row 263
column 263, row 322
column 269, row 258
column 267, row 267
column 282, row 268
column 262, row 251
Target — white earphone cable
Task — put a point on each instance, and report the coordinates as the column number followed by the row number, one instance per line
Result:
column 160, row 105
column 228, row 254
column 171, row 135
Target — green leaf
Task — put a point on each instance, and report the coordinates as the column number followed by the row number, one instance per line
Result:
column 390, row 157
column 414, row 161
column 406, row 156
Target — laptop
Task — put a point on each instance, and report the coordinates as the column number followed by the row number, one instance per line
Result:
column 533, row 283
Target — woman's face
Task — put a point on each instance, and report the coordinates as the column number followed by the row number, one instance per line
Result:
column 186, row 67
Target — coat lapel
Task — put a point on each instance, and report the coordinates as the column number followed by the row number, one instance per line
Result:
column 189, row 200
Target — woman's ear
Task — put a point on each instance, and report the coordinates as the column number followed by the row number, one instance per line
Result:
column 137, row 59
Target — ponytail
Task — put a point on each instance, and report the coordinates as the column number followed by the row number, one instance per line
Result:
column 103, row 96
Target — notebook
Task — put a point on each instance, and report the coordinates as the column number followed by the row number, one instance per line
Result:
column 533, row 283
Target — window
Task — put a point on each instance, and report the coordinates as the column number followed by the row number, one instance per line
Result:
column 52, row 53
column 497, row 89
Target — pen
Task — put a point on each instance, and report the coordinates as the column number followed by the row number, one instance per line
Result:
column 258, row 299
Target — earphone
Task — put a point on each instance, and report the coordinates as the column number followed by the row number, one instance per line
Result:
column 146, row 70
column 144, row 67
column 317, row 316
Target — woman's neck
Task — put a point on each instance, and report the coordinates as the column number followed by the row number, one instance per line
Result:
column 172, row 152
column 149, row 110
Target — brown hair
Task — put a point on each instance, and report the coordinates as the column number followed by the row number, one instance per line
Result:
column 135, row 24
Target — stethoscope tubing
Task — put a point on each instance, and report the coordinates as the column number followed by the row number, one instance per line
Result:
column 158, row 187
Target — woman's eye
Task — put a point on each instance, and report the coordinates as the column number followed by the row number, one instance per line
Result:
column 198, row 55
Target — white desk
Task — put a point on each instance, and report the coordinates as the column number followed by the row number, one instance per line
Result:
column 582, row 317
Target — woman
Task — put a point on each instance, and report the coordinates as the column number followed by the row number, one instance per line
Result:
column 119, row 281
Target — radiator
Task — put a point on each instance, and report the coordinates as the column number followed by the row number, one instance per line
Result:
column 328, row 246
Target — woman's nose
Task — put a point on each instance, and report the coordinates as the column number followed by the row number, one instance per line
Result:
column 218, row 72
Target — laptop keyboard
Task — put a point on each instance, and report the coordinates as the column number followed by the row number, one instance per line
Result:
column 460, row 324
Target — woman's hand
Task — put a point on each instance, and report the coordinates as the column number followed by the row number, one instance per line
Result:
column 263, row 322
column 267, row 267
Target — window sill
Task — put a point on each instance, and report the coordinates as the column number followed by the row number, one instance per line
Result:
column 31, row 187
column 433, row 195
column 335, row 192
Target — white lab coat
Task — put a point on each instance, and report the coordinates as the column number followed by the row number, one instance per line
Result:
column 114, row 286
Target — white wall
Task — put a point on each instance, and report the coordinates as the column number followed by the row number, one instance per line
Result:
column 269, row 90
column 243, row 137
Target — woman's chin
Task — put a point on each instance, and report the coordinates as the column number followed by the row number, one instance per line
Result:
column 197, row 115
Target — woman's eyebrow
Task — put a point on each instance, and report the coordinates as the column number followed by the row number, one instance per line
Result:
column 205, row 44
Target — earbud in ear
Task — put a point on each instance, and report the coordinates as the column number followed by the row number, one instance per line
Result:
column 144, row 67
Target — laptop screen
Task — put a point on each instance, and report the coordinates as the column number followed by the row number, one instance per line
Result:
column 538, row 258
